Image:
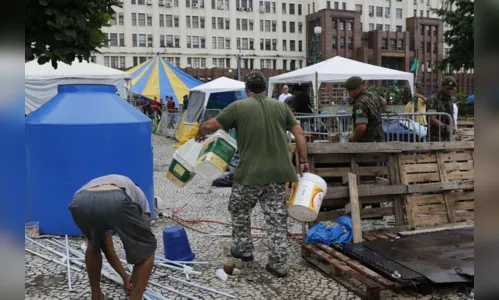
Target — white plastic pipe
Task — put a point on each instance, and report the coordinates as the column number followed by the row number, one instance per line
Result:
column 184, row 269
column 46, row 248
column 68, row 263
column 191, row 262
column 50, row 259
column 203, row 287
column 173, row 291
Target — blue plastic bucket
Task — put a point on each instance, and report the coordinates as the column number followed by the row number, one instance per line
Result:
column 176, row 244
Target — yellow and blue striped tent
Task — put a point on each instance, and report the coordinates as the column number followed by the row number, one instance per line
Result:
column 157, row 77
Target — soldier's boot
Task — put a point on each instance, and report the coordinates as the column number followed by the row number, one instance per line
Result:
column 234, row 253
column 278, row 272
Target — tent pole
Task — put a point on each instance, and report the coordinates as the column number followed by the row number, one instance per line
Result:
column 316, row 91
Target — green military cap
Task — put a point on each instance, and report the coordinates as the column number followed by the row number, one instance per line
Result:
column 353, row 82
column 256, row 78
column 449, row 81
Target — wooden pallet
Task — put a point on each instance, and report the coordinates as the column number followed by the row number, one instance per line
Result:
column 443, row 207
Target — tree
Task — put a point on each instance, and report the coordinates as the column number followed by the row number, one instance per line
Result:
column 459, row 15
column 62, row 30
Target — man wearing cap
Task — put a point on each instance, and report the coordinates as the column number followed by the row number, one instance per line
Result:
column 366, row 115
column 441, row 126
column 285, row 93
column 265, row 167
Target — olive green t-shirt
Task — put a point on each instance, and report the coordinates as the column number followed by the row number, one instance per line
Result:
column 261, row 124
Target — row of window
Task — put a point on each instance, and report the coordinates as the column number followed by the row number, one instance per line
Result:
column 119, row 62
column 199, row 42
column 387, row 27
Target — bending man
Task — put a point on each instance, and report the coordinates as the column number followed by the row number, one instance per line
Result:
column 114, row 202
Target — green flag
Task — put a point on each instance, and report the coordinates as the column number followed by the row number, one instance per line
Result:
column 390, row 4
column 415, row 65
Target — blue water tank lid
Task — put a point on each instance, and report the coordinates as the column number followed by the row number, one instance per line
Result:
column 82, row 104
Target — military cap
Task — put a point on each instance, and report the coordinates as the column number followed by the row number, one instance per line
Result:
column 449, row 81
column 353, row 82
column 256, row 78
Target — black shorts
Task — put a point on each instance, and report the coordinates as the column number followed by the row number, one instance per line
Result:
column 95, row 212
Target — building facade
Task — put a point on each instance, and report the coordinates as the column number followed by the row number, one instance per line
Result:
column 207, row 38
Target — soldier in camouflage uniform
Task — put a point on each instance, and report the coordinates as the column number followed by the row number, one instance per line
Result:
column 265, row 166
column 367, row 108
column 441, row 126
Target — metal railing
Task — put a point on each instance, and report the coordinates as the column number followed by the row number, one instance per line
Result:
column 397, row 127
column 168, row 123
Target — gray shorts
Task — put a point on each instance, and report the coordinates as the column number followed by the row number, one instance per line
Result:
column 95, row 212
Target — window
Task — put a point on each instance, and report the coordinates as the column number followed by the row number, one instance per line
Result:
column 149, row 20
column 291, row 9
column 220, row 43
column 371, row 26
column 284, row 8
column 201, row 22
column 227, row 23
column 284, row 45
column 292, row 45
column 250, row 25
column 188, row 21
column 274, row 45
column 188, row 42
column 93, row 59
column 187, row 3
column 267, row 6
column 285, row 64
column 379, row 11
column 435, row 48
column 400, row 45
column 221, row 23
column 342, row 43
column 161, row 21
column 122, row 40
column 283, row 26
column 134, row 19
column 379, row 26
column 245, row 24
column 292, row 27
column 300, row 45
column 142, row 19
column 113, row 20
column 238, row 24
column 252, row 44
column 427, row 13
column 398, row 13
column 350, row 43
column 268, row 44
column 214, row 42
column 371, row 10
column 195, row 22
column 415, row 12
column 149, row 40
column 267, row 25
column 213, row 23
column 162, row 41
column 344, row 6
column 364, row 43
column 299, row 10
column 300, row 27
column 399, row 28
column 350, row 24
column 113, row 39
column 387, row 27
column 273, row 7
column 358, row 8
column 387, row 12
column 142, row 40
column 227, row 43
column 177, row 42
column 195, row 42
column 328, row 6
column 342, row 25
column 421, row 13
column 384, row 44
column 121, row 19
column 262, row 44
column 134, row 40
column 245, row 44
column 336, row 5
column 169, row 20
column 391, row 46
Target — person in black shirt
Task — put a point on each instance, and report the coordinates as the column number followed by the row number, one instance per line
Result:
column 301, row 102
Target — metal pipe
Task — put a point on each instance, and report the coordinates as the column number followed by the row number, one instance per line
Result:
column 46, row 248
column 157, row 257
column 50, row 259
column 192, row 262
column 185, row 269
column 202, row 287
column 68, row 263
column 157, row 295
column 173, row 291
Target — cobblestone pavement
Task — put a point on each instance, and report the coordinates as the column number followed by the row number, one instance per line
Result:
column 47, row 280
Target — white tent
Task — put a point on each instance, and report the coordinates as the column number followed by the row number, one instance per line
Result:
column 339, row 69
column 219, row 85
column 41, row 81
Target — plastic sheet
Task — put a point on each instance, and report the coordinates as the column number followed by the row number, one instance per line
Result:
column 338, row 233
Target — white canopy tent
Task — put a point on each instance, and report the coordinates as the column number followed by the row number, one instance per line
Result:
column 339, row 69
column 41, row 81
column 199, row 96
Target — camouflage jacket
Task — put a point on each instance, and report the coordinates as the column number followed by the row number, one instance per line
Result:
column 439, row 102
column 367, row 108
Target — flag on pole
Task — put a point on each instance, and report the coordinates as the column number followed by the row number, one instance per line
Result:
column 390, row 4
column 415, row 66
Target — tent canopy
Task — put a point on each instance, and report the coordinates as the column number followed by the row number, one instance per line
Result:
column 41, row 81
column 470, row 99
column 157, row 77
column 339, row 69
column 215, row 94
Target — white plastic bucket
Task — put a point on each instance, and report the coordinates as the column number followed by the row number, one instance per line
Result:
column 306, row 197
column 181, row 169
column 216, row 153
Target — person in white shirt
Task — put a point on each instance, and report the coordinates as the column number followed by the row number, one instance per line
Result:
column 455, row 113
column 285, row 94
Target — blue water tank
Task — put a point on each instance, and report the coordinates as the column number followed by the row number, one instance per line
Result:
column 84, row 132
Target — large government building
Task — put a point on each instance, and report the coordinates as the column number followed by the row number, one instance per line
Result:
column 206, row 38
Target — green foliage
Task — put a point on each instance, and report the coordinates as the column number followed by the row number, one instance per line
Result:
column 460, row 37
column 461, row 96
column 62, row 30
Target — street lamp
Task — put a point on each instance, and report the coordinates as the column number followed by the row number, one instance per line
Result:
column 317, row 43
column 239, row 57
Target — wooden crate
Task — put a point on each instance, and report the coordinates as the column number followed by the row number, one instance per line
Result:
column 439, row 207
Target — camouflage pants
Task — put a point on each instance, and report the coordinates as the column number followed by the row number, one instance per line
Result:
column 271, row 197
